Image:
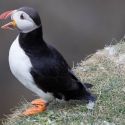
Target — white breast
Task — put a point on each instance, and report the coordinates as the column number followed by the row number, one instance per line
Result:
column 20, row 66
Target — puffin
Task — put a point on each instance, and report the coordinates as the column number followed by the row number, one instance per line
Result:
column 38, row 65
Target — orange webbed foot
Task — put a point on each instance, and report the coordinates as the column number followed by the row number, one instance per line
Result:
column 38, row 102
column 38, row 106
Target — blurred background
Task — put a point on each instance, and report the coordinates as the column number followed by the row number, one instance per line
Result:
column 75, row 28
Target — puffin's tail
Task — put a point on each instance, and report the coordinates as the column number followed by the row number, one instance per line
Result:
column 88, row 96
column 83, row 93
column 79, row 90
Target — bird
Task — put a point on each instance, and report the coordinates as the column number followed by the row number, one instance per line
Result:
column 38, row 65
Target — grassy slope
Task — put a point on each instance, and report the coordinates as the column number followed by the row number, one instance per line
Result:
column 106, row 71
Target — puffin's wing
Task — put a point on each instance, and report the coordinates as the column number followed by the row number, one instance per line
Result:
column 64, row 86
column 53, row 79
column 52, row 74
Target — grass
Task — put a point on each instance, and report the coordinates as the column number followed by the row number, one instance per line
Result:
column 106, row 71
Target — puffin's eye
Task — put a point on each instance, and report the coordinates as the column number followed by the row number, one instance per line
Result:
column 22, row 17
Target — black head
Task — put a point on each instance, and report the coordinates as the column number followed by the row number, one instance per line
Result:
column 32, row 13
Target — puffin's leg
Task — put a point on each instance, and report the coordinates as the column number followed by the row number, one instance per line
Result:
column 38, row 106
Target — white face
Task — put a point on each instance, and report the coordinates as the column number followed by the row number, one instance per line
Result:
column 23, row 21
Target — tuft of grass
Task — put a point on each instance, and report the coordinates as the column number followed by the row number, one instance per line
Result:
column 106, row 71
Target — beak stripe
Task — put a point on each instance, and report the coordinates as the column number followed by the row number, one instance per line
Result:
column 5, row 14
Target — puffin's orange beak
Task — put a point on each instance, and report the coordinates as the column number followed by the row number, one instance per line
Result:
column 8, row 15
